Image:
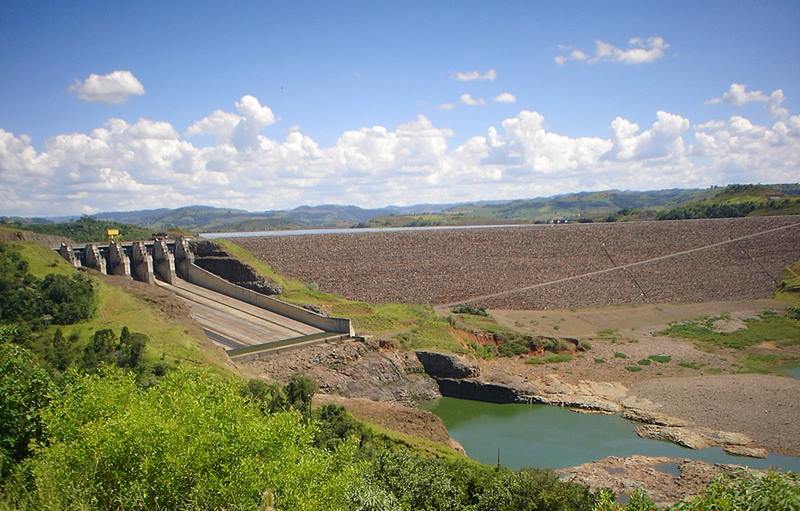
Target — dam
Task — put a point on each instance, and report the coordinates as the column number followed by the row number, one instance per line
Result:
column 245, row 322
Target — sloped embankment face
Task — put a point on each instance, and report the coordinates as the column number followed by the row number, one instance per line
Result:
column 448, row 266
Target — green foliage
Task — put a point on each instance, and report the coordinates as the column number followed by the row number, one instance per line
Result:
column 56, row 298
column 690, row 365
column 769, row 326
column 633, row 369
column 299, row 392
column 644, row 362
column 25, row 388
column 468, row 309
column 190, row 442
column 773, row 491
column 661, row 359
column 599, row 360
column 619, row 354
column 105, row 348
column 551, row 358
column 84, row 229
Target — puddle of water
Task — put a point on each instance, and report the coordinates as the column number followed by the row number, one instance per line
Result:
column 669, row 468
column 554, row 437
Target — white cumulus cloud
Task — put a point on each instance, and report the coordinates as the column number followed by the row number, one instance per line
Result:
column 114, row 87
column 639, row 51
column 738, row 95
column 505, row 97
column 469, row 76
column 148, row 163
column 468, row 99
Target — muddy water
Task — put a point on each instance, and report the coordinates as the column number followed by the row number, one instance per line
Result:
column 553, row 437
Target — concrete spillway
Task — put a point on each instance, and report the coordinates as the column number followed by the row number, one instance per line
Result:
column 243, row 321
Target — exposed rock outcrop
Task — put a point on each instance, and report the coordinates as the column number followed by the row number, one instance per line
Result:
column 213, row 258
column 446, row 365
column 666, row 480
column 353, row 369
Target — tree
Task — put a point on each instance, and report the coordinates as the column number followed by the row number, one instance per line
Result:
column 25, row 388
column 299, row 392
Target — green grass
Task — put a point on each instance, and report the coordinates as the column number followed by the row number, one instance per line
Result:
column 552, row 358
column 644, row 362
column 690, row 365
column 761, row 364
column 599, row 360
column 116, row 308
column 619, row 354
column 661, row 359
column 784, row 331
column 633, row 369
column 789, row 288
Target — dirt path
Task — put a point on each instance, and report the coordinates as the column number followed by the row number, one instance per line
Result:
column 619, row 267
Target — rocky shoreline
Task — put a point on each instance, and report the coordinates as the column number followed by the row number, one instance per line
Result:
column 589, row 396
column 666, row 480
column 377, row 371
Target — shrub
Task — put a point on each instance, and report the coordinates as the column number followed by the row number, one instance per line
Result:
column 599, row 360
column 644, row 362
column 661, row 359
column 618, row 354
column 747, row 490
column 468, row 309
column 690, row 365
column 189, row 442
column 552, row 358
column 633, row 369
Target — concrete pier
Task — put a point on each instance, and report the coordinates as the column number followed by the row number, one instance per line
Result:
column 93, row 258
column 184, row 258
column 69, row 254
column 118, row 261
column 164, row 262
column 142, row 263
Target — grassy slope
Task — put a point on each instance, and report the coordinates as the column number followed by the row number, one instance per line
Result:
column 117, row 308
column 415, row 326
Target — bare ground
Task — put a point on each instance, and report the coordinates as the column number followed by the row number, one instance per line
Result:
column 407, row 420
column 766, row 408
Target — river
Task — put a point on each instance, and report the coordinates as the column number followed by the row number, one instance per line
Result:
column 554, row 437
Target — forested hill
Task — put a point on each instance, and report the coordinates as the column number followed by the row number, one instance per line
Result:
column 604, row 206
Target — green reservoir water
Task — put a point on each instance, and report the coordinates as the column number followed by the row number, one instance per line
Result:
column 554, row 437
column 794, row 372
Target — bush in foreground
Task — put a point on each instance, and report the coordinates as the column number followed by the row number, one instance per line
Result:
column 190, row 442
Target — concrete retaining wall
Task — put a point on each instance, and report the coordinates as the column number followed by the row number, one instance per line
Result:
column 201, row 277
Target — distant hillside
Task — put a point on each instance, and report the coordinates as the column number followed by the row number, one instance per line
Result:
column 84, row 229
column 610, row 205
column 739, row 200
column 206, row 219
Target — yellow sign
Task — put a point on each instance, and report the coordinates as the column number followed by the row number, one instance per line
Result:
column 112, row 233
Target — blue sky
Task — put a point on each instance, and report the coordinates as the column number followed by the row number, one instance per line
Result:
column 324, row 69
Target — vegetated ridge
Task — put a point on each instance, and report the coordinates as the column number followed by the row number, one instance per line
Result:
column 603, row 206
